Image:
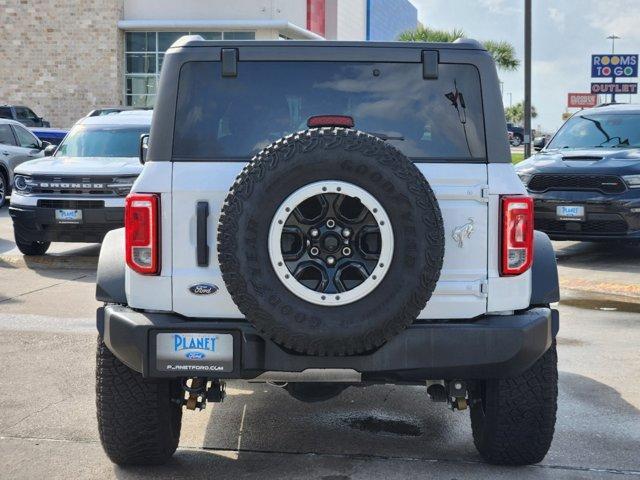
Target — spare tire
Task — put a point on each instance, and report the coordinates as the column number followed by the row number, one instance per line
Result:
column 330, row 242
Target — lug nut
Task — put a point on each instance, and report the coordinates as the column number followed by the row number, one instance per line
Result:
column 346, row 232
column 346, row 251
column 314, row 232
column 331, row 260
column 314, row 251
column 331, row 223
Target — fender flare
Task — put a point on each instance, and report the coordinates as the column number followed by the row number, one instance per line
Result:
column 111, row 269
column 545, row 287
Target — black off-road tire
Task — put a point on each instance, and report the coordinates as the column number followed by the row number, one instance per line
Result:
column 515, row 422
column 28, row 247
column 517, row 140
column 5, row 188
column 138, row 421
column 322, row 155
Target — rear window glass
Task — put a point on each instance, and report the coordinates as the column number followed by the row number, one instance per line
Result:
column 222, row 117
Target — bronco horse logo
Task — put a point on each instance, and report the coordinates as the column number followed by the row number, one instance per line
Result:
column 462, row 232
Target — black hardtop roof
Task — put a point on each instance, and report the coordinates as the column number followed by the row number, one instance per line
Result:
column 198, row 41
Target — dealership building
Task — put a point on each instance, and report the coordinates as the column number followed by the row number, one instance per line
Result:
column 63, row 58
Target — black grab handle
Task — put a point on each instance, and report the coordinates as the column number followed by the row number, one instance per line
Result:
column 202, row 252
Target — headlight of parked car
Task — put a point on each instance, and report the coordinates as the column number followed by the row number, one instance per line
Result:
column 122, row 185
column 23, row 183
column 632, row 180
column 524, row 177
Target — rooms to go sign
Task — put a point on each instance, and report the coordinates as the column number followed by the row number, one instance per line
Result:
column 614, row 65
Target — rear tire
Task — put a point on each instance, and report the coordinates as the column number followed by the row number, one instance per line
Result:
column 517, row 141
column 514, row 423
column 4, row 188
column 138, row 421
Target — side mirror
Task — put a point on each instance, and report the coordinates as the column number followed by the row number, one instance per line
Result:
column 539, row 143
column 144, row 147
column 44, row 144
column 49, row 150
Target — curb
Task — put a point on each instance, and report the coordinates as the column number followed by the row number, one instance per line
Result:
column 627, row 291
column 48, row 262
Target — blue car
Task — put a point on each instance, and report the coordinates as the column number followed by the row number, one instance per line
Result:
column 52, row 135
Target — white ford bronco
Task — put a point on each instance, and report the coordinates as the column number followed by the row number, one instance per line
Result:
column 76, row 192
column 325, row 215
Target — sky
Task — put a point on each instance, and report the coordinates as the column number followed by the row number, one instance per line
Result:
column 565, row 34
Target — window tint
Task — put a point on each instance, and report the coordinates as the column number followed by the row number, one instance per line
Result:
column 5, row 112
column 232, row 117
column 6, row 136
column 102, row 141
column 594, row 131
column 24, row 113
column 25, row 138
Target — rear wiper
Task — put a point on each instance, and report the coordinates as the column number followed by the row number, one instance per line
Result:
column 384, row 136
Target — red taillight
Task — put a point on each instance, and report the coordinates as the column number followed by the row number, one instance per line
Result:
column 517, row 235
column 141, row 232
column 330, row 121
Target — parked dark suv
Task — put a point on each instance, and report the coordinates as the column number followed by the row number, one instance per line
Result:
column 586, row 181
column 24, row 115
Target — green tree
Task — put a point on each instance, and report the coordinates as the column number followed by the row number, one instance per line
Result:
column 503, row 52
column 515, row 113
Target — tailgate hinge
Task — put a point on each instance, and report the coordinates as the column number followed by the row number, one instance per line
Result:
column 484, row 193
column 484, row 288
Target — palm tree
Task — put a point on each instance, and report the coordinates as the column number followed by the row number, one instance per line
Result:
column 515, row 113
column 503, row 52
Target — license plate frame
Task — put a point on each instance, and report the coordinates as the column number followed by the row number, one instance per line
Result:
column 68, row 215
column 168, row 359
column 571, row 213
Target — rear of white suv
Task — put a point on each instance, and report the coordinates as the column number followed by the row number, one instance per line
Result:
column 77, row 195
column 328, row 214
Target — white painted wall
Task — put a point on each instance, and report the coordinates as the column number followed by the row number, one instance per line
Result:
column 346, row 19
column 294, row 11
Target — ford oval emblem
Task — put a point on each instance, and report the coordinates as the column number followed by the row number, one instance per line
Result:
column 203, row 289
column 195, row 355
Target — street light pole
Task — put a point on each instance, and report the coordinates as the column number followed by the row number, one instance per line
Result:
column 613, row 37
column 527, row 78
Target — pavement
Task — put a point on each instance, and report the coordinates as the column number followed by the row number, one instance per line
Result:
column 47, row 403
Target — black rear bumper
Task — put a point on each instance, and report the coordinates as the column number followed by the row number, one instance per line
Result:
column 39, row 223
column 492, row 346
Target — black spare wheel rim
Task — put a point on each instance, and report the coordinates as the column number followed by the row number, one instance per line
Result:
column 330, row 242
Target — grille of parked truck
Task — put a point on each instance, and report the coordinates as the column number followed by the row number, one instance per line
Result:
column 77, row 192
column 327, row 215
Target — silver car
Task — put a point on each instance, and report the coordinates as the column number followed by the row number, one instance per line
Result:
column 17, row 145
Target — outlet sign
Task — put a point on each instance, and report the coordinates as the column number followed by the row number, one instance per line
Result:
column 602, row 87
column 614, row 66
column 582, row 100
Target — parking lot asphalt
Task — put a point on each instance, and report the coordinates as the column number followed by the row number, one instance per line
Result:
column 47, row 409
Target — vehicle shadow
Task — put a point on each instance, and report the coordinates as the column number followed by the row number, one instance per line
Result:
column 601, row 256
column 256, row 434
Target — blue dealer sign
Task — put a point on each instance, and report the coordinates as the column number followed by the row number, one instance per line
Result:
column 614, row 65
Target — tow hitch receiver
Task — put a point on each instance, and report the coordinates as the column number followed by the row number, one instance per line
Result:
column 200, row 391
column 458, row 396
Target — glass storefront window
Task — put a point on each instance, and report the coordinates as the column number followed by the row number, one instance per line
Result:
column 144, row 53
column 141, row 63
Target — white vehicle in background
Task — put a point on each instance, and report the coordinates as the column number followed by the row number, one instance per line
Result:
column 77, row 192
